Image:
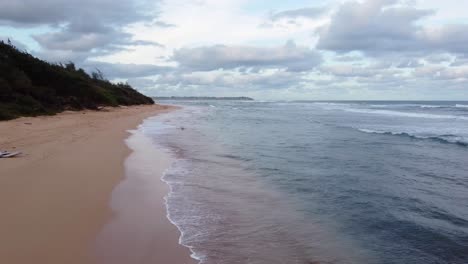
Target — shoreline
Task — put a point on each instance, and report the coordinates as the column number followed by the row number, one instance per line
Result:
column 141, row 231
column 55, row 198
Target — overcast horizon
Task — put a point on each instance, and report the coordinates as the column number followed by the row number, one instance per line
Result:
column 310, row 50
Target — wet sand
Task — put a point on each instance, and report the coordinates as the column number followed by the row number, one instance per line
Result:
column 55, row 199
column 135, row 232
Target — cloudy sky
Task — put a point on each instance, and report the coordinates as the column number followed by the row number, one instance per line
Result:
column 267, row 49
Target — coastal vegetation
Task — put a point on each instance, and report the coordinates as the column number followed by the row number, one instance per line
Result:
column 30, row 87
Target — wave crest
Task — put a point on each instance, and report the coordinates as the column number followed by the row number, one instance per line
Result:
column 448, row 138
column 405, row 114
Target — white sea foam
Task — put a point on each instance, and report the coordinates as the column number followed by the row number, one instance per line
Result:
column 157, row 126
column 405, row 114
column 447, row 138
column 332, row 104
column 219, row 203
column 371, row 131
column 193, row 254
column 396, row 105
column 432, row 106
column 357, row 107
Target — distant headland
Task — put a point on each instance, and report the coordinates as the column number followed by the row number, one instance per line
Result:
column 241, row 98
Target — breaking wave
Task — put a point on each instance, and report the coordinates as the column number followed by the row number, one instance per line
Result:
column 406, row 114
column 448, row 138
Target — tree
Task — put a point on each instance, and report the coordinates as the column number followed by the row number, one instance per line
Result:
column 98, row 75
column 70, row 66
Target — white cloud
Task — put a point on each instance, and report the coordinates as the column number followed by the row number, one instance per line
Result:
column 345, row 48
column 290, row 57
column 307, row 12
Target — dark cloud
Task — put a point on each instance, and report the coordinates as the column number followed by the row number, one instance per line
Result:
column 351, row 71
column 232, row 79
column 378, row 27
column 289, row 56
column 162, row 24
column 311, row 12
column 58, row 56
column 125, row 71
column 454, row 75
column 111, row 39
column 409, row 63
column 451, row 38
column 146, row 43
column 373, row 26
column 142, row 83
column 460, row 61
column 79, row 12
column 67, row 39
column 82, row 28
column 349, row 58
column 439, row 58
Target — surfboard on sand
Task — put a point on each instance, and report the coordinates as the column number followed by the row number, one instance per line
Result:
column 6, row 154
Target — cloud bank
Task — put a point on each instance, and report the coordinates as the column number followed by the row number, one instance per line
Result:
column 289, row 57
column 367, row 49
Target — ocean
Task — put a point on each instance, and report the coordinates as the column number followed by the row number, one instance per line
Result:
column 318, row 182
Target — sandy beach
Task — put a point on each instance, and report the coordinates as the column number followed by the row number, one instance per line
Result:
column 55, row 199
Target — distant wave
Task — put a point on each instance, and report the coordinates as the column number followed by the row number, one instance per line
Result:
column 424, row 106
column 394, row 109
column 451, row 139
column 433, row 106
column 405, row 114
column 408, row 105
column 332, row 104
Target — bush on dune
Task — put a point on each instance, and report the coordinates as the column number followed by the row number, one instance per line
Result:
column 31, row 87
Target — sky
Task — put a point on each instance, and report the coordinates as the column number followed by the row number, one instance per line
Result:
column 266, row 49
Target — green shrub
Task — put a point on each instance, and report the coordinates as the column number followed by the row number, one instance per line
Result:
column 29, row 86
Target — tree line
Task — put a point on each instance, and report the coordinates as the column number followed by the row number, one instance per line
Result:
column 30, row 86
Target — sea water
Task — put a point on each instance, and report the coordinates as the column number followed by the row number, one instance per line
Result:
column 318, row 182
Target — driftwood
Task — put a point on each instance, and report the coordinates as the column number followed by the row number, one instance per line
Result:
column 6, row 154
